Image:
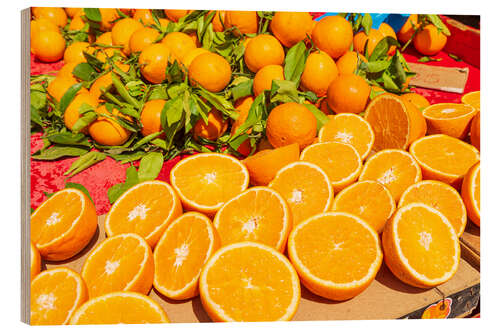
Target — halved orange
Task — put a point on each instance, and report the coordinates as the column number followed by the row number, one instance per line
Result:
column 123, row 307
column 452, row 119
column 368, row 200
column 393, row 168
column 120, row 263
column 471, row 193
column 395, row 122
column 444, row 158
column 349, row 128
column 35, row 261
column 264, row 165
column 340, row 161
column 475, row 131
column 260, row 214
column 249, row 281
column 441, row 196
column 473, row 99
column 336, row 254
column 204, row 182
column 305, row 187
column 55, row 295
column 182, row 251
column 421, row 248
column 145, row 209
column 63, row 225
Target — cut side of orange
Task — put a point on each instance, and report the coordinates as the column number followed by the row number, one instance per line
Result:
column 349, row 128
column 449, row 118
column 145, row 209
column 395, row 122
column 264, row 165
column 120, row 263
column 444, row 158
column 421, row 248
column 340, row 161
column 180, row 254
column 336, row 255
column 393, row 168
column 63, row 225
column 471, row 193
column 204, row 182
column 260, row 214
column 441, row 196
column 305, row 187
column 119, row 308
column 35, row 261
column 55, row 295
column 473, row 99
column 249, row 282
column 368, row 200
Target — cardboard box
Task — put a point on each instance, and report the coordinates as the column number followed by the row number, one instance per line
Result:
column 385, row 298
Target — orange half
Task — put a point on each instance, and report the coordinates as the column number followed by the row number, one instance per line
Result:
column 471, row 193
column 452, row 119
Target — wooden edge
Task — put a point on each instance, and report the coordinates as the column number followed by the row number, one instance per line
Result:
column 461, row 26
column 470, row 256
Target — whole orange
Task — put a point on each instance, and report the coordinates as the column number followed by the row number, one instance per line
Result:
column 215, row 126
column 333, row 35
column 151, row 116
column 141, row 38
column 72, row 11
column 211, row 71
column 319, row 72
column 154, row 61
column 42, row 24
column 387, row 31
column 406, row 31
column 74, row 52
column 108, row 16
column 176, row 14
column 67, row 70
column 217, row 21
column 48, row 46
column 416, row 99
column 244, row 22
column 189, row 57
column 263, row 50
column 362, row 41
column 348, row 63
column 263, row 80
column 290, row 123
column 291, row 27
column 243, row 106
column 122, row 31
column 348, row 93
column 429, row 41
column 54, row 14
column 72, row 112
column 106, row 131
column 144, row 16
column 58, row 87
column 179, row 44
column 105, row 39
column 77, row 23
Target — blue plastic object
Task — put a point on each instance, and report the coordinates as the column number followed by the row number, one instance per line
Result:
column 396, row 21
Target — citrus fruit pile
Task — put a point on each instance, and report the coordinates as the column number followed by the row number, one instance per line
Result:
column 313, row 169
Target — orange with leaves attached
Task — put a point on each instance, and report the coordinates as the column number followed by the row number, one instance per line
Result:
column 368, row 42
column 212, row 129
column 348, row 62
column 151, row 116
column 72, row 112
column 144, row 16
column 429, row 41
column 74, row 52
column 243, row 22
column 176, row 14
column 407, row 31
column 154, row 60
column 106, row 131
column 263, row 80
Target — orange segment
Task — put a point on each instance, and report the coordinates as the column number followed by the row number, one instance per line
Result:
column 471, row 193
column 63, row 225
column 55, row 295
column 449, row 118
column 395, row 122
column 440, row 196
column 127, row 308
column 305, row 187
column 181, row 253
column 336, row 255
column 35, row 261
column 264, row 165
column 204, row 182
column 120, row 263
column 260, row 214
column 473, row 99
column 349, row 128
column 236, row 284
column 340, row 161
column 420, row 245
column 393, row 168
column 368, row 200
column 444, row 158
column 145, row 209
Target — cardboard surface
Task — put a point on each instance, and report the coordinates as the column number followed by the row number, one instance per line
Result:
column 385, row 298
column 451, row 79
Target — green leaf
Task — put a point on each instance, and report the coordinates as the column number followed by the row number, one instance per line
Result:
column 85, row 72
column 295, row 61
column 35, row 117
column 150, row 166
column 381, row 49
column 321, row 118
column 93, row 14
column 454, row 57
column 85, row 119
column 85, row 161
column 284, row 91
column 57, row 151
column 145, row 140
column 219, row 102
column 366, row 23
column 115, row 191
column 375, row 66
column 38, row 98
column 242, row 89
column 123, row 92
column 68, row 138
column 435, row 20
column 128, row 157
column 68, row 96
column 389, row 83
column 256, row 113
column 79, row 187
column 428, row 59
